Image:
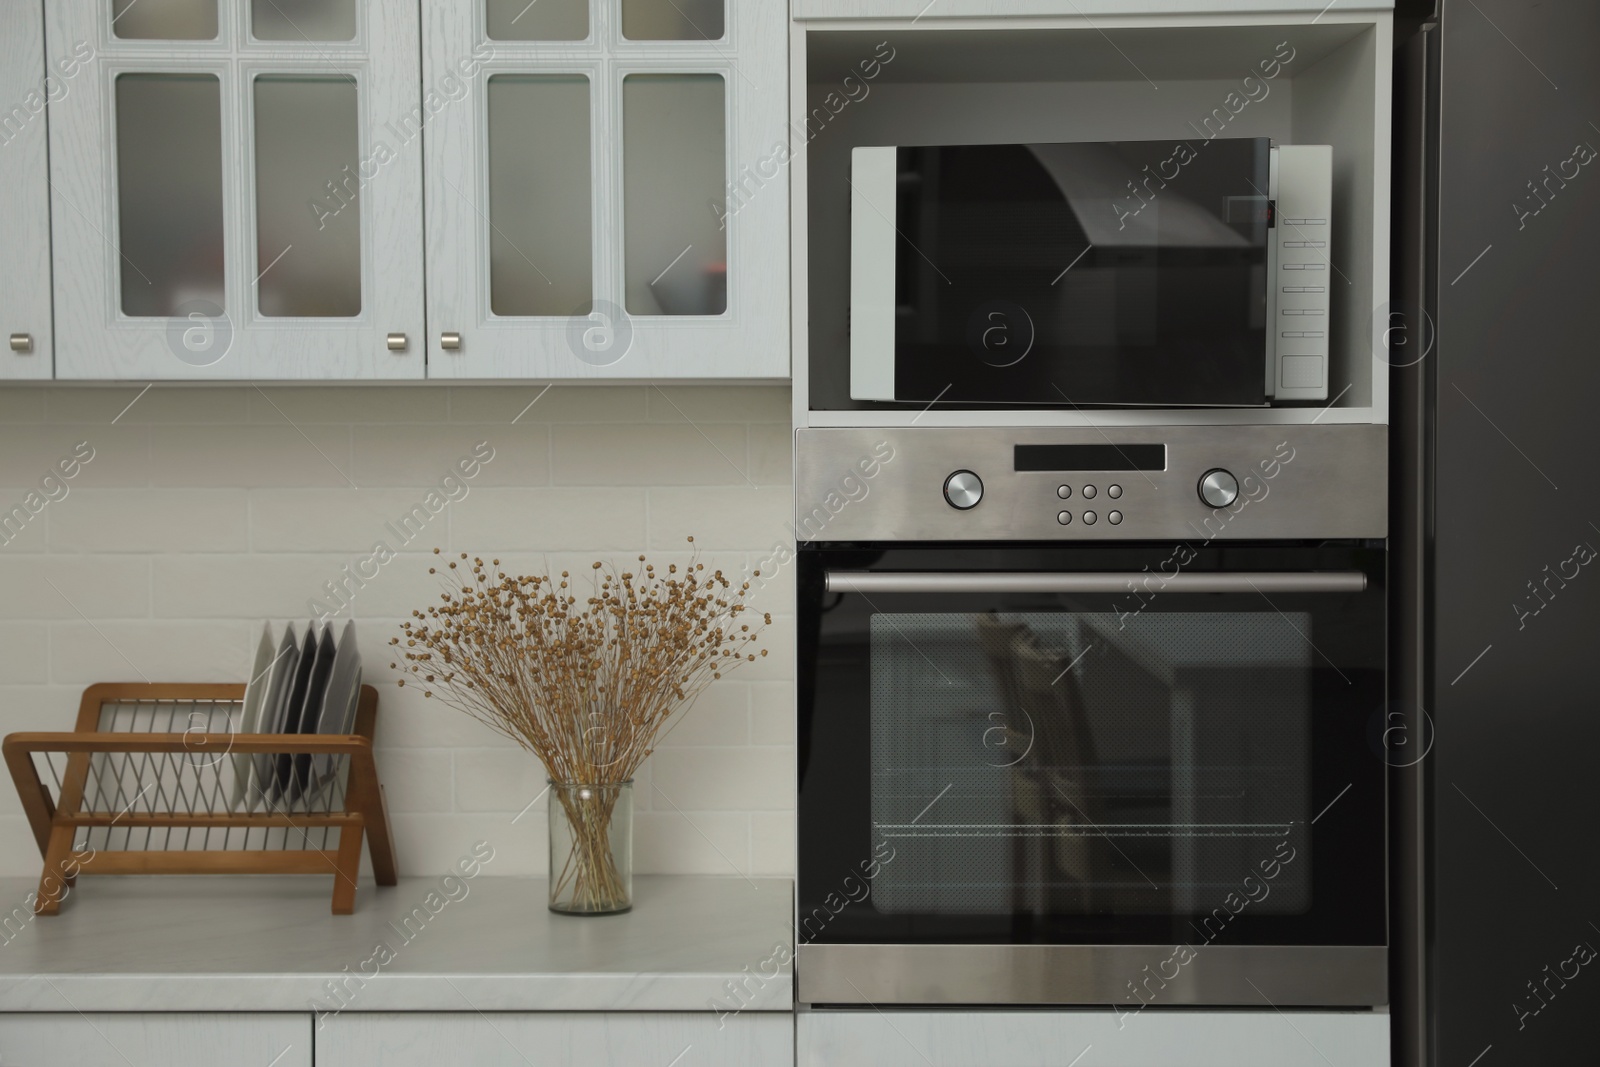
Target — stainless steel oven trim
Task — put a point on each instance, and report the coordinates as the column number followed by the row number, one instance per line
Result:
column 1101, row 582
column 1124, row 976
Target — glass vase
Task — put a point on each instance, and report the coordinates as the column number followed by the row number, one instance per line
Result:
column 591, row 847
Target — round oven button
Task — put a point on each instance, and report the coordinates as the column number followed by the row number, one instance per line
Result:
column 1064, row 518
column 1063, row 491
column 963, row 490
column 1114, row 492
column 1088, row 492
column 1114, row 518
column 1088, row 517
column 1218, row 488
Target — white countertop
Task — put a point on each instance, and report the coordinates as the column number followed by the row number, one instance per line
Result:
column 269, row 943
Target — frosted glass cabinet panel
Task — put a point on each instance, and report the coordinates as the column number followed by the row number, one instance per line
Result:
column 673, row 167
column 26, row 341
column 540, row 215
column 583, row 208
column 164, row 20
column 171, row 233
column 237, row 190
column 542, row 20
column 307, row 134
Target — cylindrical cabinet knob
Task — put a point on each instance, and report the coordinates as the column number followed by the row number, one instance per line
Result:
column 397, row 342
column 963, row 490
column 1218, row 488
column 450, row 342
column 22, row 343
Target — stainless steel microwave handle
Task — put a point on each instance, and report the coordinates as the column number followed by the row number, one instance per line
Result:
column 1095, row 582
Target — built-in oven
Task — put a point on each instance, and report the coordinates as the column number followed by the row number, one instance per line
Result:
column 1092, row 717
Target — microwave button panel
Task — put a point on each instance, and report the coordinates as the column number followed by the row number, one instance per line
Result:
column 1301, row 178
column 963, row 490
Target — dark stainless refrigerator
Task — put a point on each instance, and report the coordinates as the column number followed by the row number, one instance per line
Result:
column 1498, row 496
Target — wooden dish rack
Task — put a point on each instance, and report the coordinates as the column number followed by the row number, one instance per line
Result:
column 159, row 760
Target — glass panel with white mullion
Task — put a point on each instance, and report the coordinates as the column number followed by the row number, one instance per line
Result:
column 674, row 178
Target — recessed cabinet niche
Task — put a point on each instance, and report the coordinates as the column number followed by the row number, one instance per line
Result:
column 236, row 190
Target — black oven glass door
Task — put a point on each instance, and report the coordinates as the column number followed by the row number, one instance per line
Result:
column 1115, row 273
column 1092, row 745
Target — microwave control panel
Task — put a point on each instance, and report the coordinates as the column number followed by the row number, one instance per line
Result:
column 1299, row 272
column 1091, row 483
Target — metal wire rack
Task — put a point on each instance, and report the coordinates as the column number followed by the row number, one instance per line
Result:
column 156, row 779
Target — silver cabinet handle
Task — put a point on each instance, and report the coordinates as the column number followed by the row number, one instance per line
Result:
column 22, row 343
column 1095, row 582
column 450, row 342
column 397, row 342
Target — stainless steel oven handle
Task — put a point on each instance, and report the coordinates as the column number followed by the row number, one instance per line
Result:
column 1096, row 582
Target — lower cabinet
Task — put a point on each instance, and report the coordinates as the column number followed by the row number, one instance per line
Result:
column 1132, row 1038
column 117, row 1039
column 556, row 1039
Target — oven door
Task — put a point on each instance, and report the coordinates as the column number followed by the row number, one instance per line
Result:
column 1092, row 774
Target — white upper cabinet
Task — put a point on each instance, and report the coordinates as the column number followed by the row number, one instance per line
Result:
column 607, row 188
column 237, row 189
column 26, row 87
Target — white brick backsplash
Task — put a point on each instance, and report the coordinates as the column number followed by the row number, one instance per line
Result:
column 691, row 842
column 772, row 456
column 719, row 518
column 24, row 650
column 348, row 404
column 706, row 779
column 401, row 455
column 703, row 454
column 556, row 520
column 771, row 843
column 418, row 779
column 59, row 587
column 719, row 403
column 120, row 457
column 772, row 713
column 249, row 456
column 209, row 509
column 134, row 404
column 150, row 520
column 499, row 780
column 344, row 520
column 559, row 403
column 150, row 651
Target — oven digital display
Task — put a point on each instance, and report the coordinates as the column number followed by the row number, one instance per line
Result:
column 1106, row 457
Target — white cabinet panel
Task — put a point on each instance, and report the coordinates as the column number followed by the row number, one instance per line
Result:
column 228, row 206
column 101, row 1039
column 607, row 189
column 556, row 1039
column 1092, row 1039
column 26, row 87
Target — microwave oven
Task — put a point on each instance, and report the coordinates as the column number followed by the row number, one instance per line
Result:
column 1117, row 273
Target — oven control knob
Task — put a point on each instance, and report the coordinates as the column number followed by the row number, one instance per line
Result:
column 1218, row 488
column 963, row 490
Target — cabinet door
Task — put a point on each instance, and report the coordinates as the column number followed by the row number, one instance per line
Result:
column 236, row 188
column 26, row 87
column 106, row 1039
column 556, row 1039
column 607, row 186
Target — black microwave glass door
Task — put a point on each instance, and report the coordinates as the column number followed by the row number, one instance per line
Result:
column 1110, row 273
column 1131, row 768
